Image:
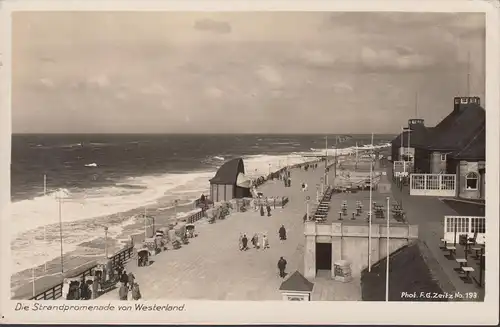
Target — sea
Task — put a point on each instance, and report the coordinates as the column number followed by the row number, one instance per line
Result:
column 105, row 175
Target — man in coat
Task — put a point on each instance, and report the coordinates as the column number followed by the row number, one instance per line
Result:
column 136, row 292
column 282, row 233
column 130, row 279
column 124, row 278
column 123, row 292
column 282, row 266
column 244, row 242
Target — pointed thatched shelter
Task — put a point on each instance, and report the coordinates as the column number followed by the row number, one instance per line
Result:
column 230, row 182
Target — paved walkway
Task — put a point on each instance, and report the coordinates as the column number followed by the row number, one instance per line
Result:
column 428, row 213
column 212, row 267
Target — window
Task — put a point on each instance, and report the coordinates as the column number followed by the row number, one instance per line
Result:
column 443, row 157
column 471, row 181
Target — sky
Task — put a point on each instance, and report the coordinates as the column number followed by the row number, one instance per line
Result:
column 241, row 72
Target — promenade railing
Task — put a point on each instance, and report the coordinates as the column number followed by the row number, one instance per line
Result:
column 55, row 292
column 454, row 226
column 433, row 184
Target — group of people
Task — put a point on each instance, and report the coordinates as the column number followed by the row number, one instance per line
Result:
column 76, row 290
column 243, row 242
column 128, row 284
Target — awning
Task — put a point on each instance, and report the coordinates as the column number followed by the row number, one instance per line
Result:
column 243, row 181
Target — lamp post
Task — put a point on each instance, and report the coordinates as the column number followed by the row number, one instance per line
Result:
column 45, row 227
column 176, row 202
column 106, row 241
column 326, row 160
column 387, row 258
column 370, row 212
column 59, row 196
column 34, row 281
column 307, row 207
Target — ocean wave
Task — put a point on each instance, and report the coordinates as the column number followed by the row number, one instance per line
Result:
column 91, row 165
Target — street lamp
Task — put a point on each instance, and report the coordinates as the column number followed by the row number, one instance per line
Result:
column 176, row 202
column 146, row 217
column 60, row 195
column 307, row 207
column 106, row 241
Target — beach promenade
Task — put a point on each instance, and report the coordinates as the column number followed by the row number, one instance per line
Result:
column 212, row 267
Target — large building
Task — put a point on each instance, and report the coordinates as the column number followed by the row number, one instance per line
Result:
column 454, row 146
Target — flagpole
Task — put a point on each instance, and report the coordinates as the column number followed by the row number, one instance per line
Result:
column 45, row 227
column 34, row 279
column 401, row 151
column 60, row 230
column 387, row 257
column 326, row 160
column 370, row 212
column 145, row 225
column 468, row 74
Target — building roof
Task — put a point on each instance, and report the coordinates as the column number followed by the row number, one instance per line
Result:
column 420, row 135
column 458, row 129
column 228, row 172
column 475, row 149
column 297, row 282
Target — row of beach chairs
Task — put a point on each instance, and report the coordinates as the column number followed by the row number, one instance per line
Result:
column 323, row 208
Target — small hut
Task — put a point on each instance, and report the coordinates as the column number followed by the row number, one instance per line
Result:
column 296, row 288
column 230, row 182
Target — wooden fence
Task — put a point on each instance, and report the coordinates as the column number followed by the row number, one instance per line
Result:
column 55, row 292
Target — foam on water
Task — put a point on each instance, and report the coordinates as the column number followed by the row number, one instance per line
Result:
column 33, row 218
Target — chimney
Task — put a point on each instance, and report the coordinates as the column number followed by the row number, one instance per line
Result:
column 460, row 103
column 413, row 122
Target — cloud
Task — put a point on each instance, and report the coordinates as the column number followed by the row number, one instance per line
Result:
column 47, row 82
column 400, row 58
column 318, row 58
column 270, row 75
column 100, row 81
column 154, row 88
column 342, row 88
column 211, row 25
column 214, row 92
column 92, row 82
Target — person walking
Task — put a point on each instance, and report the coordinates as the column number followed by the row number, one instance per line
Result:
column 282, row 233
column 268, row 207
column 255, row 241
column 130, row 279
column 282, row 266
column 123, row 292
column 244, row 242
column 265, row 242
column 124, row 278
column 136, row 292
column 240, row 242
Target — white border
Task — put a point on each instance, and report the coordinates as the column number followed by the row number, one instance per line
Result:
column 225, row 312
